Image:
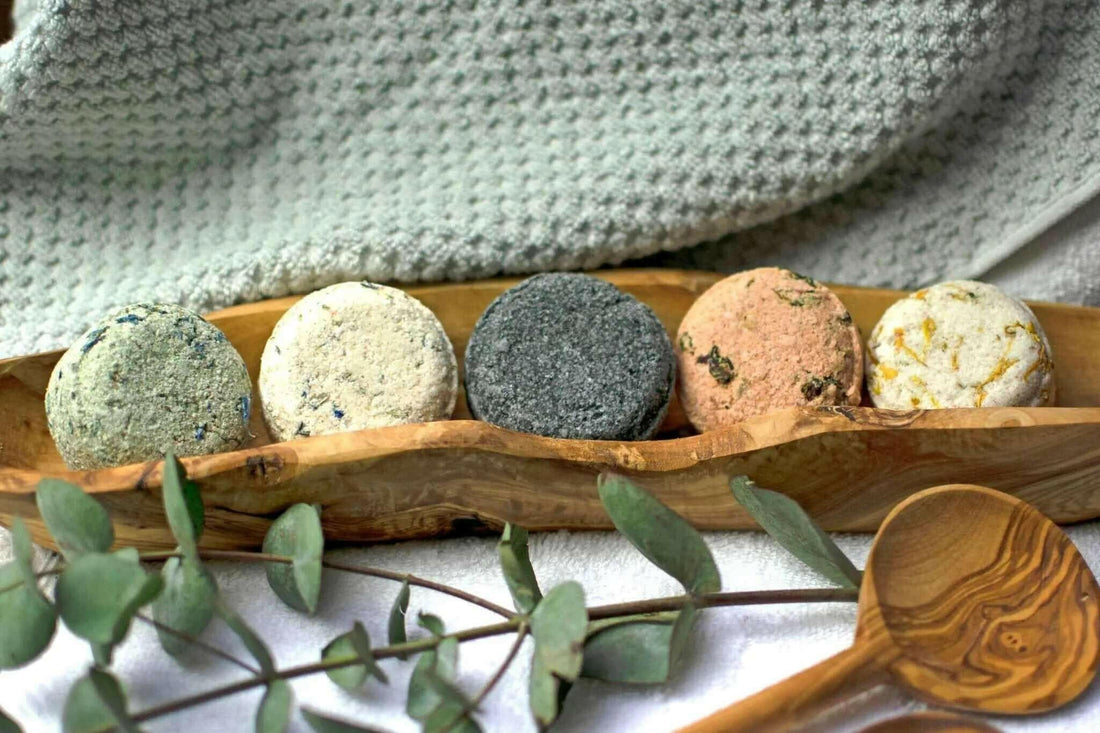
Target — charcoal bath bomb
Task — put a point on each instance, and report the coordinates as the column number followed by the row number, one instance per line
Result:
column 762, row 340
column 353, row 356
column 570, row 356
column 959, row 344
column 145, row 379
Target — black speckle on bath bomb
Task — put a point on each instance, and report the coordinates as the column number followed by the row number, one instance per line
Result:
column 570, row 356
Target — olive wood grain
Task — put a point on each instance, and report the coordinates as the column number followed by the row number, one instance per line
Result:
column 847, row 466
column 971, row 599
column 931, row 722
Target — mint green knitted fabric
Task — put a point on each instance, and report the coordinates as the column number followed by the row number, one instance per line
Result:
column 213, row 151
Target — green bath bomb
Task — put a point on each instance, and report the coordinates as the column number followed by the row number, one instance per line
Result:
column 145, row 379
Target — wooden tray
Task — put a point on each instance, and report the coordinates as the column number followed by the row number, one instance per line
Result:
column 847, row 466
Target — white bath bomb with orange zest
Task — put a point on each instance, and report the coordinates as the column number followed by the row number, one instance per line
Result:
column 959, row 344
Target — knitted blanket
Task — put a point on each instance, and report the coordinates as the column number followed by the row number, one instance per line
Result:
column 215, row 151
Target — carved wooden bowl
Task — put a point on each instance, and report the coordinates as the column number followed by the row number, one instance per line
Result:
column 847, row 466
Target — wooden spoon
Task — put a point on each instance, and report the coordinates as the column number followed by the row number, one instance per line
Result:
column 931, row 722
column 971, row 599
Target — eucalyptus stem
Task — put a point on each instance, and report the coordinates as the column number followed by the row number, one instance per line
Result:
column 39, row 575
column 356, row 569
column 208, row 648
column 484, row 692
column 732, row 598
column 326, row 665
column 515, row 623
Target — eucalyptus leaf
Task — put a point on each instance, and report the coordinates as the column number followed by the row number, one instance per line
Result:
column 84, row 711
column 515, row 562
column 23, row 551
column 273, row 715
column 789, row 525
column 543, row 694
column 102, row 653
column 641, row 652
column 297, row 534
column 110, row 694
column 186, row 604
column 27, row 620
column 452, row 710
column 248, row 637
column 430, row 622
column 440, row 663
column 451, row 716
column 397, row 633
column 660, row 534
column 176, row 508
column 325, row 724
column 559, row 625
column 98, row 594
column 355, row 643
column 78, row 523
column 8, row 724
column 95, row 702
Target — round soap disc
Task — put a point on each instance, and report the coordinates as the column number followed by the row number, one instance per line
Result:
column 762, row 340
column 570, row 356
column 145, row 379
column 959, row 344
column 353, row 356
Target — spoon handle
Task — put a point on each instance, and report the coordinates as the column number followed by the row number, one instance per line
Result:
column 798, row 698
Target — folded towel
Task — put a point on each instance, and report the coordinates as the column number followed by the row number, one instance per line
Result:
column 227, row 150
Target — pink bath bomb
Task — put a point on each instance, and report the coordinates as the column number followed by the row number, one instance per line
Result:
column 763, row 340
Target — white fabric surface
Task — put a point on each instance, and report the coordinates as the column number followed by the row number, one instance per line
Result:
column 734, row 651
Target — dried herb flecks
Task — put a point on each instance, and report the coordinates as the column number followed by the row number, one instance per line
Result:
column 797, row 298
column 93, row 338
column 686, row 344
column 129, row 318
column 816, row 385
column 720, row 367
column 803, row 278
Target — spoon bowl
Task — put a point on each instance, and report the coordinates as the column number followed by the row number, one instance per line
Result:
column 989, row 603
column 972, row 600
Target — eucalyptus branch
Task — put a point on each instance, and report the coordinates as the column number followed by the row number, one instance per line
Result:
column 185, row 599
column 629, row 608
column 326, row 665
column 373, row 572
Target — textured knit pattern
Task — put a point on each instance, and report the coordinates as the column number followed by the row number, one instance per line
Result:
column 212, row 151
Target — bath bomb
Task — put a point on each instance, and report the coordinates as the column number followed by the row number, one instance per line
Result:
column 763, row 340
column 570, row 356
column 959, row 344
column 353, row 356
column 145, row 379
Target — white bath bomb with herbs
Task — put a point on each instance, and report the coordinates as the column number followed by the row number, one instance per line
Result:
column 146, row 379
column 353, row 356
column 959, row 344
